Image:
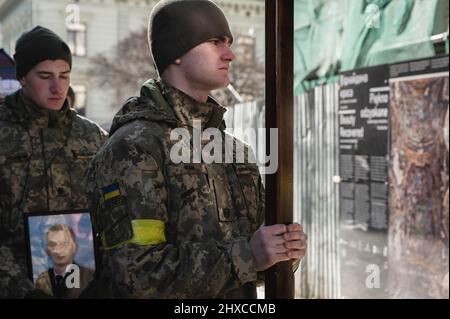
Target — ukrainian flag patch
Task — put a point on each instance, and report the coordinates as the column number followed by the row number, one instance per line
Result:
column 111, row 191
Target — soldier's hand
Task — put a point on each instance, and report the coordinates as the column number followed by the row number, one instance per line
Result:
column 295, row 241
column 268, row 246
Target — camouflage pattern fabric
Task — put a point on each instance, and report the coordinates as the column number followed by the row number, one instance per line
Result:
column 43, row 160
column 208, row 211
column 13, row 280
column 43, row 283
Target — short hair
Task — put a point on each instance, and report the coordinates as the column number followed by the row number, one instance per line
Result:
column 62, row 227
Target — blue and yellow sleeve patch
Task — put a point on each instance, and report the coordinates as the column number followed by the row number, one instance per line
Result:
column 111, row 191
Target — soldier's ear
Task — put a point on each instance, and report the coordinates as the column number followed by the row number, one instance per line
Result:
column 177, row 61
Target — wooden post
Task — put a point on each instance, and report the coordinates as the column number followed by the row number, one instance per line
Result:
column 279, row 114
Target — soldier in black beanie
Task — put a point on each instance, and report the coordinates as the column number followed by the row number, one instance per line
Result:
column 41, row 54
column 45, row 147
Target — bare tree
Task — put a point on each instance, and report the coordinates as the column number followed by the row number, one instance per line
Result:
column 126, row 68
column 131, row 64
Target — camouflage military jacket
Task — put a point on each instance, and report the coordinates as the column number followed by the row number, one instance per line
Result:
column 43, row 159
column 172, row 230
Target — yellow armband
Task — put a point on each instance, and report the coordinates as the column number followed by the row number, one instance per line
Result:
column 145, row 232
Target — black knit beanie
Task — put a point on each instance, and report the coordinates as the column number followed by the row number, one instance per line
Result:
column 177, row 26
column 38, row 45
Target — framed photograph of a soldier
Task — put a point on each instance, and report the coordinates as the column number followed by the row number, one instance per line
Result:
column 61, row 254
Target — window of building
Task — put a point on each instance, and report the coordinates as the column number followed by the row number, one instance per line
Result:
column 76, row 39
column 80, row 91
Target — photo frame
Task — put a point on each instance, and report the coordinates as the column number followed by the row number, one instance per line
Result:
column 61, row 251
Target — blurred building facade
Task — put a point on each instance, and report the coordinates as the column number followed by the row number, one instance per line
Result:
column 93, row 27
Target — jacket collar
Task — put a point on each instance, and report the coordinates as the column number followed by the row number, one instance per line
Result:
column 187, row 109
column 30, row 115
column 160, row 102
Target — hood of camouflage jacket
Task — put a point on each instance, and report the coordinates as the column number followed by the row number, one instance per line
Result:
column 160, row 102
column 28, row 114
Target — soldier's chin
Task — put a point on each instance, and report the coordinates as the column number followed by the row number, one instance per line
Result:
column 221, row 83
column 55, row 105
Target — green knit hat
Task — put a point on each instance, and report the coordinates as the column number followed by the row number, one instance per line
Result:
column 177, row 26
